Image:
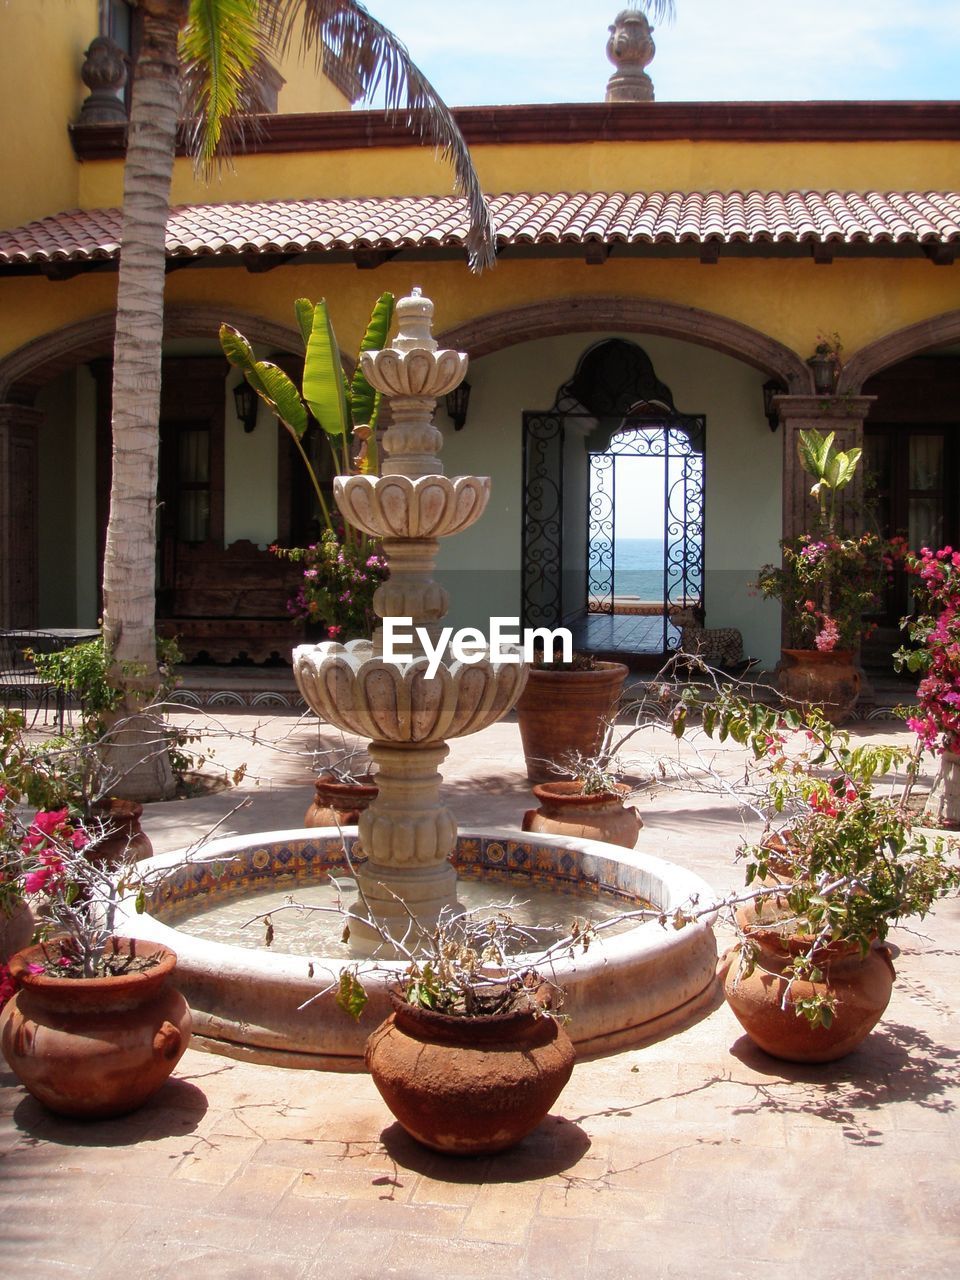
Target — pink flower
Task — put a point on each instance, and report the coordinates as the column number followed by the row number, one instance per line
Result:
column 49, row 873
column 826, row 639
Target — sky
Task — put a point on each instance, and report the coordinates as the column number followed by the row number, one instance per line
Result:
column 498, row 51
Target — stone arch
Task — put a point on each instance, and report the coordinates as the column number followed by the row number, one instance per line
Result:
column 556, row 316
column 897, row 346
column 24, row 371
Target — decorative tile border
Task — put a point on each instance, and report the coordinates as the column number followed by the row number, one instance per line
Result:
column 506, row 861
column 237, row 698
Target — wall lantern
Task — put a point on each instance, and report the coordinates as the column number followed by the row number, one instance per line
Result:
column 456, row 402
column 247, row 402
column 771, row 389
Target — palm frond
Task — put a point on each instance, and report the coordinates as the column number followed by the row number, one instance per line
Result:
column 655, row 10
column 378, row 62
column 222, row 48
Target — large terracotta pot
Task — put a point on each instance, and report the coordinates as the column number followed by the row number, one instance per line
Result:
column 813, row 679
column 469, row 1086
column 862, row 987
column 339, row 804
column 565, row 811
column 16, row 929
column 95, row 1047
column 126, row 841
column 564, row 711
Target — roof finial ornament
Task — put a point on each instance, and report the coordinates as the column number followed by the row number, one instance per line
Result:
column 630, row 48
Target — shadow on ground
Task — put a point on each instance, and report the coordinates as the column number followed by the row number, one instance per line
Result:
column 555, row 1145
column 175, row 1109
column 895, row 1064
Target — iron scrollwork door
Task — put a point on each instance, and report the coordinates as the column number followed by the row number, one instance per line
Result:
column 542, row 588
column 677, row 439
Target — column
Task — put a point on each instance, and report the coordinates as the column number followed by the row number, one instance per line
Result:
column 844, row 415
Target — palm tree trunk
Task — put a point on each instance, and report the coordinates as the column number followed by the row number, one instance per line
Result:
column 136, row 751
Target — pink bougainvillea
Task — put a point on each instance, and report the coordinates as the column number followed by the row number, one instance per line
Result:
column 937, row 658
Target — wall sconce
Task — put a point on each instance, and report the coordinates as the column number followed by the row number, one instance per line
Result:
column 456, row 402
column 771, row 389
column 247, row 402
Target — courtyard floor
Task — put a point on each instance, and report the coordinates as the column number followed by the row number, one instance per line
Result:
column 696, row 1155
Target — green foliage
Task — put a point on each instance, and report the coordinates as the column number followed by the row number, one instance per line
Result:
column 351, row 996
column 86, row 672
column 846, row 862
column 826, row 582
column 326, row 396
column 220, row 49
column 83, row 671
column 324, row 382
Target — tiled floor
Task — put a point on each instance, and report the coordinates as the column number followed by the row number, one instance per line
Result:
column 693, row 1156
column 622, row 633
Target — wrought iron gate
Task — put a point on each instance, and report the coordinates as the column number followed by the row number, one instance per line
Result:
column 543, row 442
column 677, row 439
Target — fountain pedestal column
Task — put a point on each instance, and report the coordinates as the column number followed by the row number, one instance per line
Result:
column 407, row 835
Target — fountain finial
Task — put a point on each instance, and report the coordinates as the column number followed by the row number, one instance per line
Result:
column 414, row 315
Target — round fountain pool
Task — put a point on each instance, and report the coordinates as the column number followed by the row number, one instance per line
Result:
column 632, row 984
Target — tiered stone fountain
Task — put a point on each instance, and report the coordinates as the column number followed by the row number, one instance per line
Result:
column 407, row 834
column 281, row 1007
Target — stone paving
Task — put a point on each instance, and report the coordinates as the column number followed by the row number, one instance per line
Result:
column 696, row 1155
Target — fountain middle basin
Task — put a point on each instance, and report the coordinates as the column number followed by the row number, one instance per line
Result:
column 625, row 989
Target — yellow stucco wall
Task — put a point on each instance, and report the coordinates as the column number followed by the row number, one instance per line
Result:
column 41, row 52
column 791, row 301
column 42, row 46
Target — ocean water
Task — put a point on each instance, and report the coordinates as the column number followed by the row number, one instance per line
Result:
column 638, row 568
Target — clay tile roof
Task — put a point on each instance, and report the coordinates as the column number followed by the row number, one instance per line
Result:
column 544, row 218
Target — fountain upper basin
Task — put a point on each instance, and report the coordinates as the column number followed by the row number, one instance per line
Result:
column 625, row 989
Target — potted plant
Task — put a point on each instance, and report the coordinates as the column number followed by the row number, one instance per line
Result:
column 825, row 363
column 94, row 1027
column 837, row 864
column 565, row 710
column 825, row 583
column 935, row 655
column 344, row 787
column 589, row 798
column 473, row 1055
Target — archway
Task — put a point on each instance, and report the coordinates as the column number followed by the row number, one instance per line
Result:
column 41, row 365
column 614, row 409
column 558, row 316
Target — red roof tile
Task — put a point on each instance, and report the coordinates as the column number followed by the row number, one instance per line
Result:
column 656, row 217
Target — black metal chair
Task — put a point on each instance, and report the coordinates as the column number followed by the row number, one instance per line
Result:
column 20, row 684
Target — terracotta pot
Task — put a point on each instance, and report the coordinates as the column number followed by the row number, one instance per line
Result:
column 95, row 1047
column 469, row 1086
column 126, row 841
column 16, row 930
column 564, row 711
column 862, row 987
column 340, row 803
column 565, row 811
column 828, row 680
